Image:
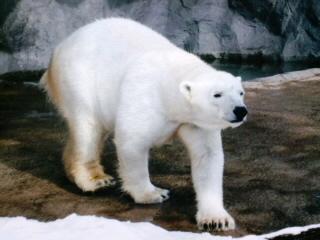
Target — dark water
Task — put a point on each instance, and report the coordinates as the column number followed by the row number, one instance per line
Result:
column 249, row 72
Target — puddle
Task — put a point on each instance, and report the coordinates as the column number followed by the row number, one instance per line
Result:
column 40, row 115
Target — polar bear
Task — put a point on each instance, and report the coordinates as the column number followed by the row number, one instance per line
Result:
column 117, row 75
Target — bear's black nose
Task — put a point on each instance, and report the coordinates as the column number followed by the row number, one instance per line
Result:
column 240, row 113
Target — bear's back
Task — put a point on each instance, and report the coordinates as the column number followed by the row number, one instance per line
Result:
column 100, row 53
column 113, row 38
column 90, row 64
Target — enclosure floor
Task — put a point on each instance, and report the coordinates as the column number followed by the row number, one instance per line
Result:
column 271, row 177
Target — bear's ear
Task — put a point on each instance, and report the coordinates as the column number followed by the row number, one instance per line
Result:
column 185, row 88
column 239, row 78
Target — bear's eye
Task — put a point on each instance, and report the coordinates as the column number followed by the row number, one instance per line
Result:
column 217, row 95
column 241, row 93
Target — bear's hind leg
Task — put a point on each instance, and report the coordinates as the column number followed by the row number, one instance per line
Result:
column 82, row 155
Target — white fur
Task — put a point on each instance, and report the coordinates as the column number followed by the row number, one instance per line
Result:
column 118, row 75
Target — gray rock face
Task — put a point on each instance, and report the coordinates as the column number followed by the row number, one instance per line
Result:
column 288, row 29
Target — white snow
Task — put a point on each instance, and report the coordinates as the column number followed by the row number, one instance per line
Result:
column 75, row 227
column 291, row 230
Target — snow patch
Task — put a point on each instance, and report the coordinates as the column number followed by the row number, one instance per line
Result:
column 291, row 231
column 75, row 227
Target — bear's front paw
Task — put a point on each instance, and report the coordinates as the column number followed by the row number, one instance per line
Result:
column 157, row 195
column 163, row 192
column 215, row 220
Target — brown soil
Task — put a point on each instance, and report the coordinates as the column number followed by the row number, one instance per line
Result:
column 271, row 174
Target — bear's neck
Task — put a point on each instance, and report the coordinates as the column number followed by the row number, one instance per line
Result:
column 183, row 66
column 186, row 66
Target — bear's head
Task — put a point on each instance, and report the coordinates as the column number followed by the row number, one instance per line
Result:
column 215, row 100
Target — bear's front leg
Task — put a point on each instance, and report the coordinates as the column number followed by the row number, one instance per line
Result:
column 133, row 170
column 207, row 160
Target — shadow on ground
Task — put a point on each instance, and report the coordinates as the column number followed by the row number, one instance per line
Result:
column 271, row 175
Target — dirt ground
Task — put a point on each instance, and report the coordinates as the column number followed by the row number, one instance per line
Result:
column 271, row 174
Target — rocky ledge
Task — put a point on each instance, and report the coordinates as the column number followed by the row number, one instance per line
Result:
column 232, row 29
column 280, row 80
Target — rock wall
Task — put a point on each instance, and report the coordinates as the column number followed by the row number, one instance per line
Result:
column 269, row 29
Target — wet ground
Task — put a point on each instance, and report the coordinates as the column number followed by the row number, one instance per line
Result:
column 271, row 174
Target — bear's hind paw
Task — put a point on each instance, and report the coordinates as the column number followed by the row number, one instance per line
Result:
column 95, row 183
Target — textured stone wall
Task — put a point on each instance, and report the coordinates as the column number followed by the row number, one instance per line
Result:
column 270, row 29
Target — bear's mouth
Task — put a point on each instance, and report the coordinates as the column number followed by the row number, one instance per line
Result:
column 237, row 121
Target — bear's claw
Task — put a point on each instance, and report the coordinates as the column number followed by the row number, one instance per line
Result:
column 213, row 226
